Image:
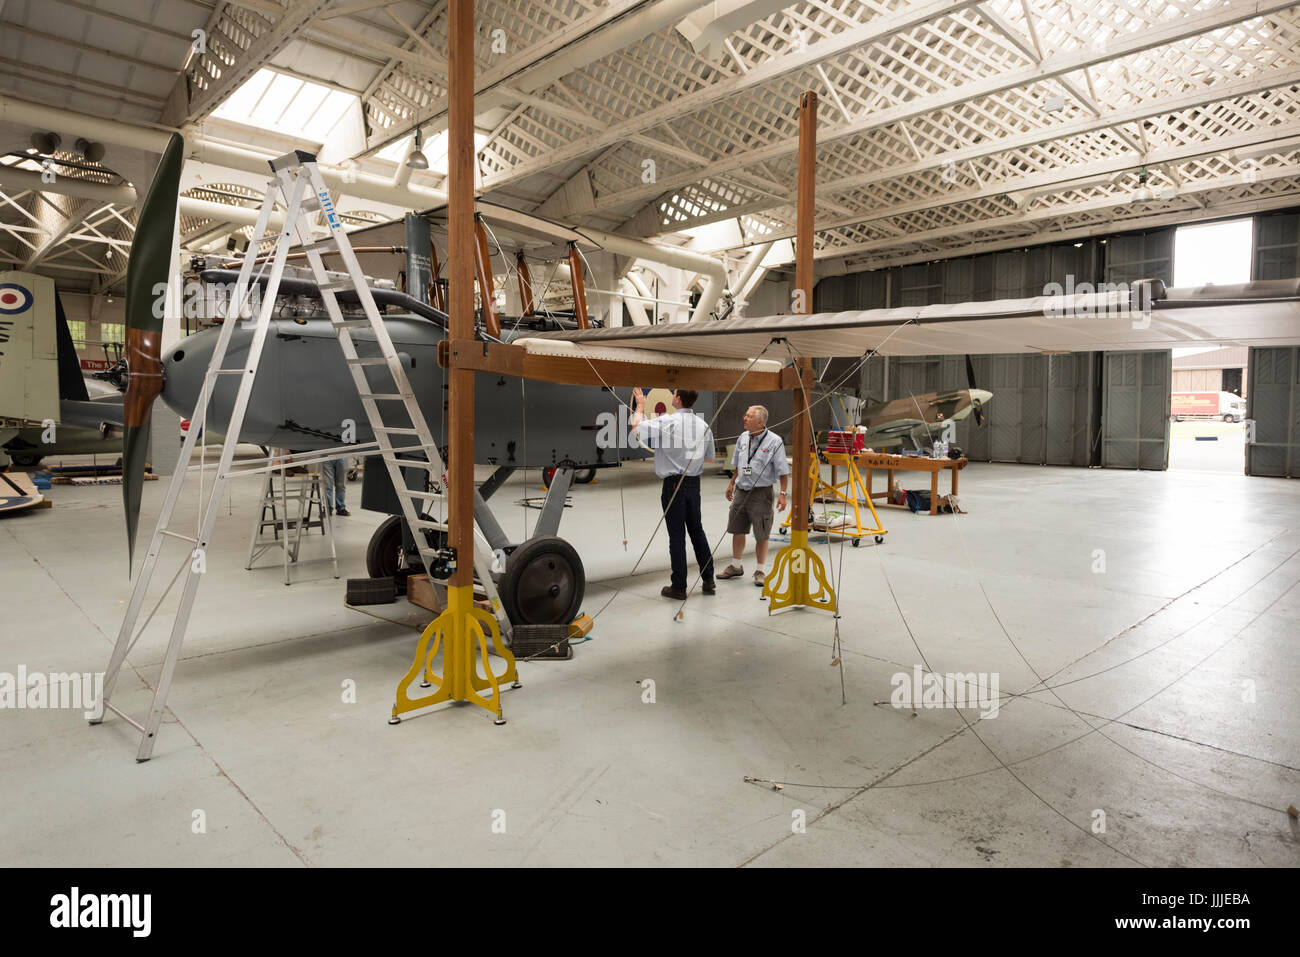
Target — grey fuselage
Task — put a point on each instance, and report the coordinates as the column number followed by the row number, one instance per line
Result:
column 304, row 397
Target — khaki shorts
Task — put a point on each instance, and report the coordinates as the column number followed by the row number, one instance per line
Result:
column 754, row 506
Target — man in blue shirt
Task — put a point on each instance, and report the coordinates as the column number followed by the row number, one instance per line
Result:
column 758, row 462
column 681, row 441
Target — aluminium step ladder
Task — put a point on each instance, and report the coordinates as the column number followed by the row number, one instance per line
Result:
column 389, row 403
column 286, row 530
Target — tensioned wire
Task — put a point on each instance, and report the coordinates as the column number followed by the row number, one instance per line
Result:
column 1043, row 682
column 699, row 575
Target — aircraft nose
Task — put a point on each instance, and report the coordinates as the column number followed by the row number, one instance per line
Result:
column 980, row 396
column 183, row 371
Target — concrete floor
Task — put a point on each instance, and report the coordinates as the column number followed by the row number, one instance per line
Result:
column 1142, row 627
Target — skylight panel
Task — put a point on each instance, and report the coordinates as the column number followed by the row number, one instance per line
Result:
column 286, row 104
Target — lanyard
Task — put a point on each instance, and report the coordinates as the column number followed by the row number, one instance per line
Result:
column 754, row 446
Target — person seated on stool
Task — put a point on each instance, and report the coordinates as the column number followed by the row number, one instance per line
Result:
column 681, row 441
column 758, row 462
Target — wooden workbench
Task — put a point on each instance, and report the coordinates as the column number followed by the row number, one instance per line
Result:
column 869, row 461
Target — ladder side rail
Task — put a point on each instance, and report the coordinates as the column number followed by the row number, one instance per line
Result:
column 293, row 190
column 364, row 388
column 125, row 637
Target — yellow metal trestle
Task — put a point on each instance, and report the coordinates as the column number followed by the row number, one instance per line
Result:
column 798, row 577
column 461, row 632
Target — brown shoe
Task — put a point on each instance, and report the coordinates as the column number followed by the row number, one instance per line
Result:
column 668, row 591
column 731, row 571
column 759, row 579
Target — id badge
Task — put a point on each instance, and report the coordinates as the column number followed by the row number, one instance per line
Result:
column 746, row 470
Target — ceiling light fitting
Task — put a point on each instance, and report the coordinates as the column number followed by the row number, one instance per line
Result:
column 416, row 158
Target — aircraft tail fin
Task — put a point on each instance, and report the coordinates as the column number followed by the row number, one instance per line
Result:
column 29, row 386
column 72, row 385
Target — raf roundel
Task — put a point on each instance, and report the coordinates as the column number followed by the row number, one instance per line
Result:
column 14, row 299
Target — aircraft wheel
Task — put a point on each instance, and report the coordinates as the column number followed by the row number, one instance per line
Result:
column 1229, row 418
column 544, row 583
column 584, row 476
column 384, row 556
column 25, row 459
column 548, row 474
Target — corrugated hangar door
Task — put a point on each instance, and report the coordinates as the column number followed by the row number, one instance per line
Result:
column 1273, row 404
column 1073, row 412
column 1135, row 409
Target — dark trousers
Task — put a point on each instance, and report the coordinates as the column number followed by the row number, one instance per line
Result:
column 683, row 516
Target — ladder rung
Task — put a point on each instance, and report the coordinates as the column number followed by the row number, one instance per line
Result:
column 226, row 371
column 396, row 431
column 436, row 526
column 368, row 361
column 351, row 323
column 183, row 538
column 320, row 246
column 337, row 285
column 309, row 204
column 385, row 396
column 427, row 496
column 414, row 464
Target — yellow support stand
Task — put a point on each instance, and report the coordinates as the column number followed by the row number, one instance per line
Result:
column 852, row 491
column 792, row 569
column 459, row 632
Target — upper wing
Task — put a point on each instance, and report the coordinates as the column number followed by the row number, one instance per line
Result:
column 1147, row 317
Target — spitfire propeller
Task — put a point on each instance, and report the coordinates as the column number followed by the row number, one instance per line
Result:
column 976, row 406
column 149, row 265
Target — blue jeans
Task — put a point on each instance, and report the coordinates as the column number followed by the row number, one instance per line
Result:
column 336, row 482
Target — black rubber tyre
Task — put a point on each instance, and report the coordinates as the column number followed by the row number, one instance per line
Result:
column 1229, row 418
column 26, row 459
column 544, row 583
column 879, row 539
column 548, row 474
column 384, row 558
column 584, row 476
column 857, row 542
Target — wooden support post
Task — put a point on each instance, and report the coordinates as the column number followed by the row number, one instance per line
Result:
column 486, row 287
column 579, row 286
column 796, row 565
column 462, row 632
column 525, row 283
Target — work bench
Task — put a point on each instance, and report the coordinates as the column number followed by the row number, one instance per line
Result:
column 868, row 462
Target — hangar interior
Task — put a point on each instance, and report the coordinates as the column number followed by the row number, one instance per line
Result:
column 1111, row 637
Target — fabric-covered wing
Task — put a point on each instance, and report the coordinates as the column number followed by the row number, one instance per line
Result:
column 1149, row 317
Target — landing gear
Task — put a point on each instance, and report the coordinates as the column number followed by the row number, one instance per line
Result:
column 386, row 556
column 544, row 583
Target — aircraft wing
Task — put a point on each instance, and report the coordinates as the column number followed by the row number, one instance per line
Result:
column 1147, row 317
column 91, row 414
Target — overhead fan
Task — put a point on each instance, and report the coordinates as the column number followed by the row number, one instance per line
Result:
column 149, row 265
